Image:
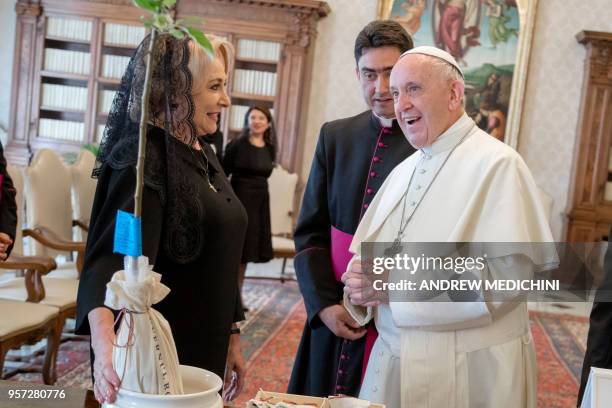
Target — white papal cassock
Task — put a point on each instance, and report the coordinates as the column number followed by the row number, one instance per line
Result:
column 454, row 355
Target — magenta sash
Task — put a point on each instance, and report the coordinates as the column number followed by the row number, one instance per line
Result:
column 340, row 257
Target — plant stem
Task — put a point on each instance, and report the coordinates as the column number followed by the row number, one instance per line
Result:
column 142, row 137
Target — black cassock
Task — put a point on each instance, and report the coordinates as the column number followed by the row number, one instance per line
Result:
column 204, row 232
column 352, row 159
column 599, row 342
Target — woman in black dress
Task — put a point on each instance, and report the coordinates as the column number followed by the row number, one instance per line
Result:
column 192, row 223
column 250, row 160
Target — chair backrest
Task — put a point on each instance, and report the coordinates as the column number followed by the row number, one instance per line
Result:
column 281, row 186
column 83, row 185
column 16, row 174
column 48, row 198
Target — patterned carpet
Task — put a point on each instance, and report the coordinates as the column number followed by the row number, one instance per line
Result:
column 272, row 332
column 560, row 342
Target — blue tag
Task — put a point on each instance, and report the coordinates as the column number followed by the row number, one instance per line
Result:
column 128, row 236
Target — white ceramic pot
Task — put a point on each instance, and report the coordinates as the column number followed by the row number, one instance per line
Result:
column 201, row 391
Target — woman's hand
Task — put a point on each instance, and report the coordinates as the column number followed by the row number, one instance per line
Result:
column 235, row 370
column 5, row 243
column 106, row 380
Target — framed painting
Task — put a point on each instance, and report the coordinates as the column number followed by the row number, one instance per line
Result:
column 490, row 39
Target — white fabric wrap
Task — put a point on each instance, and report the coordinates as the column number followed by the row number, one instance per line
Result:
column 149, row 363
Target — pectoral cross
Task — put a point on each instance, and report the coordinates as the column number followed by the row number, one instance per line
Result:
column 394, row 249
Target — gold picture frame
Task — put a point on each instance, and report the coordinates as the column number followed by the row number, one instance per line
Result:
column 526, row 13
column 384, row 9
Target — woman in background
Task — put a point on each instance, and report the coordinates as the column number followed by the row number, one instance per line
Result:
column 250, row 159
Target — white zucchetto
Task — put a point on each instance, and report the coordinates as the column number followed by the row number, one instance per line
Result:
column 436, row 53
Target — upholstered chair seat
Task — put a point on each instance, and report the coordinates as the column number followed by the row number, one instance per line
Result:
column 30, row 322
column 59, row 293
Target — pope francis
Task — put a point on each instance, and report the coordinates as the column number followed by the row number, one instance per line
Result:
column 462, row 185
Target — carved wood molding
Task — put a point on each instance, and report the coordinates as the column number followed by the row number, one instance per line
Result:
column 111, row 2
column 318, row 8
column 28, row 8
column 599, row 61
column 590, row 212
column 281, row 12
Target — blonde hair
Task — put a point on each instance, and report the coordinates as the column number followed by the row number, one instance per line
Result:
column 199, row 61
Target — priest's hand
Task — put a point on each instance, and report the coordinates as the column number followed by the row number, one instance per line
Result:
column 235, row 370
column 106, row 380
column 340, row 322
column 359, row 286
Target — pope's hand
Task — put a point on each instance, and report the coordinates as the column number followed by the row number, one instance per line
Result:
column 359, row 286
column 340, row 322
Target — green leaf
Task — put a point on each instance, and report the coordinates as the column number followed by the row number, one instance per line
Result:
column 177, row 33
column 190, row 21
column 161, row 21
column 168, row 3
column 147, row 21
column 94, row 148
column 169, row 19
column 199, row 37
column 148, row 5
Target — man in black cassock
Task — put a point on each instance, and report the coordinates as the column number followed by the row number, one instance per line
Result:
column 352, row 159
column 599, row 342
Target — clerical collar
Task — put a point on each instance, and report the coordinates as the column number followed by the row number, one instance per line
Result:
column 451, row 137
column 384, row 122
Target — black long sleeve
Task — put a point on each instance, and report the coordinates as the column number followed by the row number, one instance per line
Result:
column 8, row 205
column 312, row 241
column 229, row 157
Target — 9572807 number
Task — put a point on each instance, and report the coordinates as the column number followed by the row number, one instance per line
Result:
column 36, row 394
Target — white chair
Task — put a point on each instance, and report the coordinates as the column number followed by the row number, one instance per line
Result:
column 281, row 187
column 83, row 191
column 20, row 298
column 17, row 255
column 49, row 212
column 30, row 323
column 598, row 391
column 37, row 284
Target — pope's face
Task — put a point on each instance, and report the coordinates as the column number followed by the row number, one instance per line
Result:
column 373, row 71
column 423, row 100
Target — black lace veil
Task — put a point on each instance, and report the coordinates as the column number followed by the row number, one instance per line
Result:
column 170, row 102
